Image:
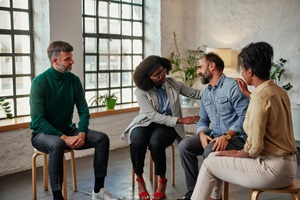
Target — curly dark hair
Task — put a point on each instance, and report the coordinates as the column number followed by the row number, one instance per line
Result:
column 258, row 57
column 213, row 57
column 141, row 76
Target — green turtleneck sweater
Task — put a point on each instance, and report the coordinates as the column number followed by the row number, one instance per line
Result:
column 52, row 98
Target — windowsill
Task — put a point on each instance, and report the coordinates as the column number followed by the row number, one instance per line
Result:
column 23, row 122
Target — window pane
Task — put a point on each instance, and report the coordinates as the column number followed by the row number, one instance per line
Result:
column 137, row 29
column 103, row 63
column 115, row 80
column 22, row 44
column 115, row 62
column 90, row 7
column 6, row 86
column 115, row 46
column 90, row 63
column 90, row 45
column 103, row 9
column 5, row 65
column 115, row 27
column 126, row 46
column 91, row 81
column 89, row 95
column 137, row 13
column 21, row 21
column 5, row 20
column 23, row 65
column 23, row 107
column 126, row 79
column 126, row 11
column 114, row 10
column 126, row 95
column 90, row 25
column 126, row 63
column 5, row 44
column 103, row 81
column 137, row 46
column 136, row 61
column 126, row 28
column 4, row 3
column 103, row 45
column 23, row 85
column 137, row 1
column 103, row 28
column 20, row 4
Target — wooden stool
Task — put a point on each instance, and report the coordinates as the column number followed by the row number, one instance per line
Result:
column 151, row 171
column 293, row 189
column 45, row 173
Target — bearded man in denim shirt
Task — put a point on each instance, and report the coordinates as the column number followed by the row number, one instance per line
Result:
column 222, row 113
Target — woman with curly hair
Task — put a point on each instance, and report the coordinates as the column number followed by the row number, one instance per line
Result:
column 159, row 121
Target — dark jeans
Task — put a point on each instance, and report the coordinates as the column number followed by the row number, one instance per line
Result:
column 157, row 138
column 54, row 146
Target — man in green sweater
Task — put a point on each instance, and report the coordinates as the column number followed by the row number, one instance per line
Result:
column 53, row 95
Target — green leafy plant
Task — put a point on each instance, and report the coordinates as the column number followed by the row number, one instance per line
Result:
column 108, row 100
column 186, row 66
column 6, row 108
column 277, row 70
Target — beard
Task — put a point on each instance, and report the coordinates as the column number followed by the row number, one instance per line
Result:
column 205, row 78
column 63, row 69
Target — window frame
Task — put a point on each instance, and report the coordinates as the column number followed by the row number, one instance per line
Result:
column 98, row 36
column 12, row 33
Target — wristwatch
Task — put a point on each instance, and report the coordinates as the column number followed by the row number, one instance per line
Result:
column 227, row 136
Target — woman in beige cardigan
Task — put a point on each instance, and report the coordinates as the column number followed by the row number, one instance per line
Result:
column 159, row 121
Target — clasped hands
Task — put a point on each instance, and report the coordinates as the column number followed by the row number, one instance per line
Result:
column 74, row 142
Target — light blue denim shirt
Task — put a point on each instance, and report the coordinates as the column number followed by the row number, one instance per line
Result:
column 164, row 106
column 223, row 107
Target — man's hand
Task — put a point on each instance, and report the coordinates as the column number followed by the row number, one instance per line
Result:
column 188, row 120
column 220, row 143
column 204, row 139
column 74, row 142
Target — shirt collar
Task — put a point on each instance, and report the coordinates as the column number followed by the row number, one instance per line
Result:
column 219, row 83
column 261, row 86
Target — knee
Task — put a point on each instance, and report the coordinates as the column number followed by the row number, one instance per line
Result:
column 183, row 146
column 102, row 138
column 58, row 145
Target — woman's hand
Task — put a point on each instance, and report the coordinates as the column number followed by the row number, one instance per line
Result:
column 243, row 87
column 188, row 120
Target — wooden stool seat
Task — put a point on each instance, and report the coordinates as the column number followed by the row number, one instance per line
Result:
column 151, row 170
column 45, row 173
column 293, row 190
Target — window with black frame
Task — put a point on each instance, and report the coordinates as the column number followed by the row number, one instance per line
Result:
column 113, row 34
column 16, row 53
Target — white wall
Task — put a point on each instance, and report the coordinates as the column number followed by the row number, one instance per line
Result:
column 234, row 24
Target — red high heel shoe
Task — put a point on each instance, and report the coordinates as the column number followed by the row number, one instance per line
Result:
column 158, row 195
column 143, row 195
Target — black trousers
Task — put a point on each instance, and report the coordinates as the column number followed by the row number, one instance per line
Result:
column 157, row 138
column 54, row 146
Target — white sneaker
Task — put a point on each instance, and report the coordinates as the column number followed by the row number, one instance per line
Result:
column 103, row 194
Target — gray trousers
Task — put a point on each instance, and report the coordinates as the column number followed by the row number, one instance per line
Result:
column 54, row 146
column 261, row 172
column 190, row 148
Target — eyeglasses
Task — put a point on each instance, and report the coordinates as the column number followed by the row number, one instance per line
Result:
column 160, row 76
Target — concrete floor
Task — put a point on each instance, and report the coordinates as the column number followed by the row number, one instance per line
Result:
column 18, row 186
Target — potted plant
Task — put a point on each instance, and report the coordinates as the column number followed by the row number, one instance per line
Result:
column 185, row 66
column 5, row 107
column 109, row 100
column 277, row 71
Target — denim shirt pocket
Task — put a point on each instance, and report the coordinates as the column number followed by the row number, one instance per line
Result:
column 209, row 108
column 224, row 106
